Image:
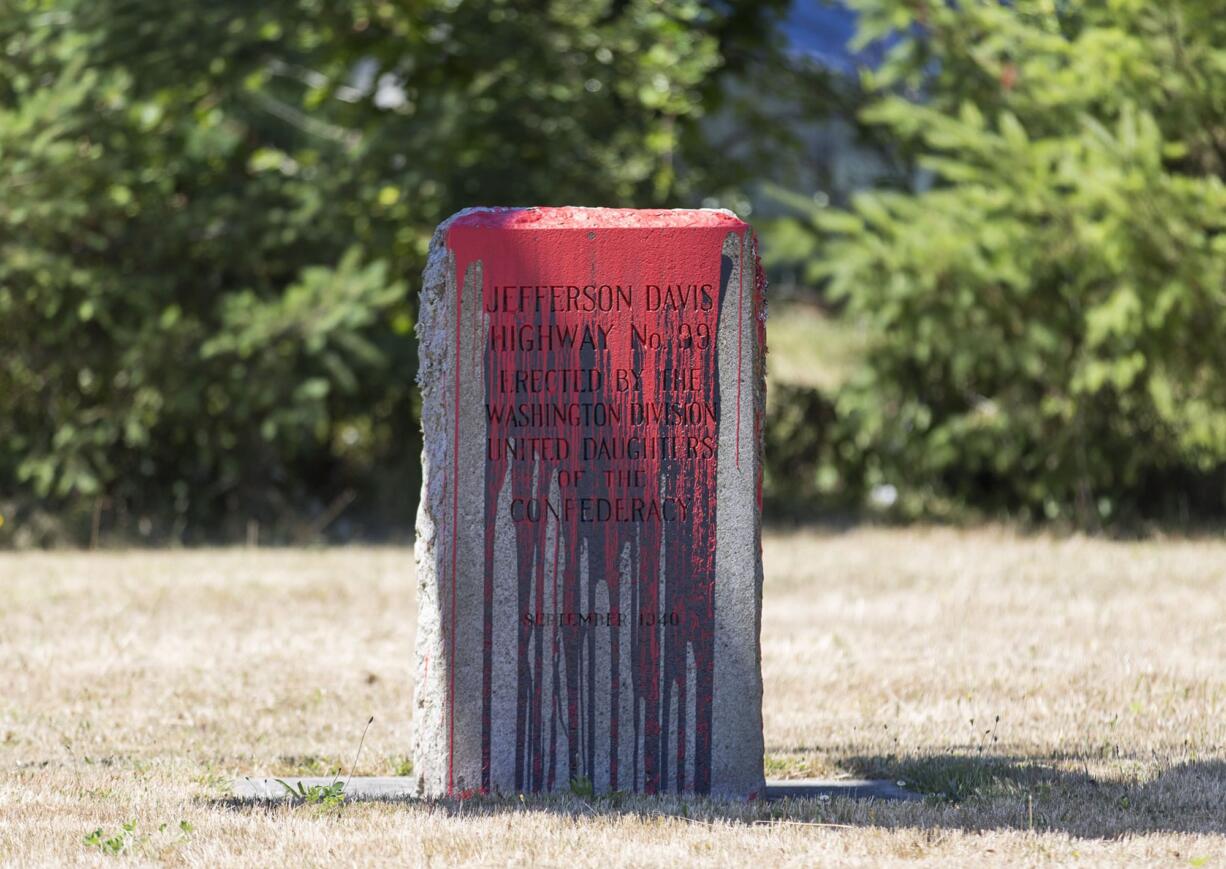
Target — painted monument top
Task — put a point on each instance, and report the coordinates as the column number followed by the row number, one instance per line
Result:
column 576, row 217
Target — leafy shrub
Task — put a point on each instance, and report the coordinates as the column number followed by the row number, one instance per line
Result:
column 214, row 215
column 1046, row 304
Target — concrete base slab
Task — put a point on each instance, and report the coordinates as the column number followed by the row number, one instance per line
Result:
column 404, row 787
column 850, row 788
column 375, row 787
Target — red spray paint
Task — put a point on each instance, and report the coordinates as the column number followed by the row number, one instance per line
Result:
column 676, row 426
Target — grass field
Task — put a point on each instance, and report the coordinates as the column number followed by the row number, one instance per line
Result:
column 1060, row 700
column 811, row 348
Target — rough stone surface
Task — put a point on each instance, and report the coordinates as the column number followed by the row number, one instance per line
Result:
column 589, row 536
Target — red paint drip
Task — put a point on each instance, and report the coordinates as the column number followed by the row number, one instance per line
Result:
column 589, row 248
column 455, row 532
column 759, row 314
column 740, row 335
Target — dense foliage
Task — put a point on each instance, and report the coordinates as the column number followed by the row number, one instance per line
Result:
column 213, row 215
column 1046, row 298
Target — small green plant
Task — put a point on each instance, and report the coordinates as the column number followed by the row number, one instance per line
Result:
column 305, row 765
column 775, row 766
column 211, row 780
column 581, row 786
column 115, row 844
column 615, row 798
column 403, row 766
column 331, row 795
column 128, row 840
column 327, row 796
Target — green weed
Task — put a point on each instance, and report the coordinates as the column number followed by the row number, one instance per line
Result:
column 116, row 844
column 326, row 796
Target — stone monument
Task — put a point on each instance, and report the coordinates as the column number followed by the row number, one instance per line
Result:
column 589, row 537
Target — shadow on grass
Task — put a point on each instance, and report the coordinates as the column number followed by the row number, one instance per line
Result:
column 962, row 792
column 974, row 791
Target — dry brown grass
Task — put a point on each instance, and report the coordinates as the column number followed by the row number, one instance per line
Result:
column 133, row 686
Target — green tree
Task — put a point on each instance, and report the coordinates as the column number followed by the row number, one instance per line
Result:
column 1047, row 300
column 214, row 215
